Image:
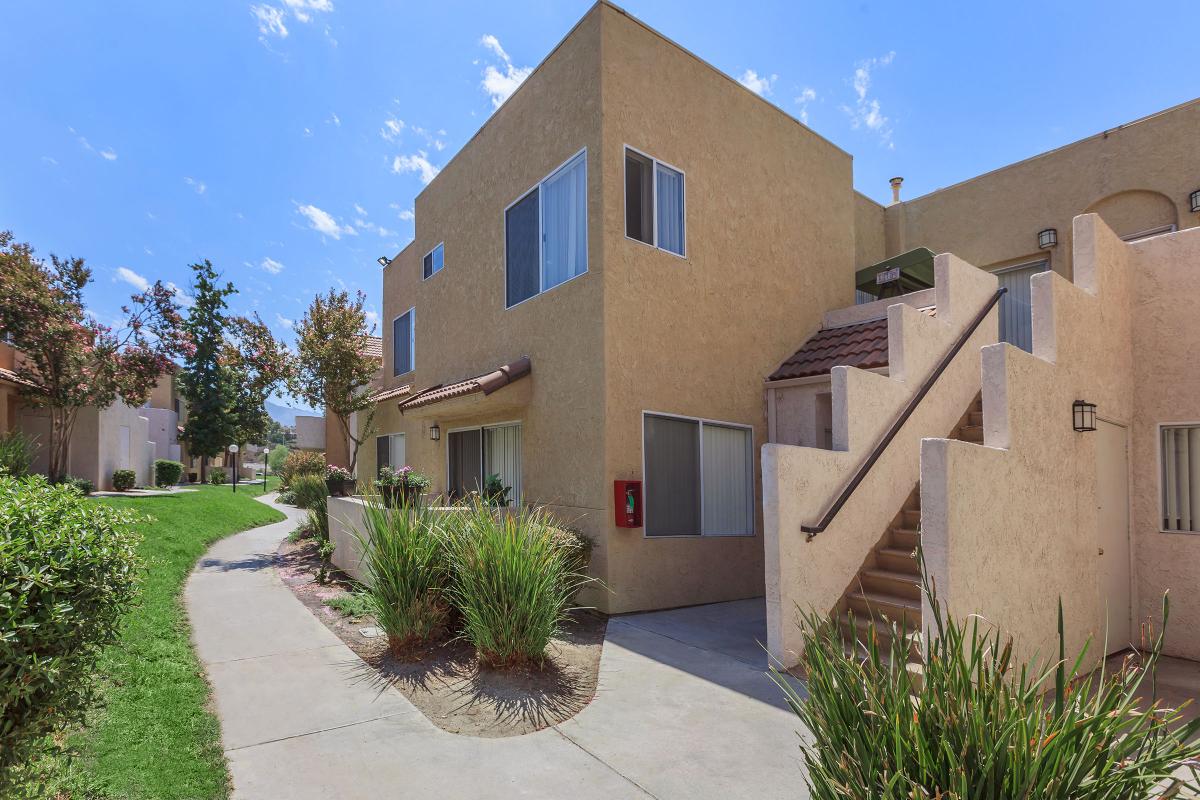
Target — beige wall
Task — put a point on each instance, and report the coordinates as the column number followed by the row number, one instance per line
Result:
column 1010, row 527
column 1136, row 177
column 1166, row 380
column 870, row 241
column 800, row 483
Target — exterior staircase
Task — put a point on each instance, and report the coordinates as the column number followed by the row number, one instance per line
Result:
column 887, row 587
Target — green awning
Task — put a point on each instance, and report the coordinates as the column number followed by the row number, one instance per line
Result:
column 916, row 273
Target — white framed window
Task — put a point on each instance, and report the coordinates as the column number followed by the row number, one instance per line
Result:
column 545, row 233
column 433, row 261
column 475, row 454
column 404, row 353
column 1179, row 460
column 697, row 475
column 389, row 451
column 655, row 202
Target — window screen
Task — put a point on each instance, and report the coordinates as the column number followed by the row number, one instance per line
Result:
column 672, row 479
column 1180, row 454
column 402, row 343
column 433, row 262
column 564, row 224
column 670, row 209
column 522, row 250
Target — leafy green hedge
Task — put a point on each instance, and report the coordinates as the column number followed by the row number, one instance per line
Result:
column 167, row 472
column 217, row 476
column 68, row 572
column 124, row 479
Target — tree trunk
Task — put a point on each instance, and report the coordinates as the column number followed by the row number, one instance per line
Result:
column 62, row 424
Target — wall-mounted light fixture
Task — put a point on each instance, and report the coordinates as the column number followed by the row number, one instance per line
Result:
column 383, row 261
column 1047, row 238
column 1195, row 198
column 1083, row 416
column 435, row 432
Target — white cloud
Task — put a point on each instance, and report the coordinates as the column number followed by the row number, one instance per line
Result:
column 270, row 20
column 323, row 223
column 372, row 318
column 49, row 160
column 284, row 321
column 108, row 154
column 362, row 212
column 806, row 96
column 406, row 214
column 759, row 84
column 272, row 266
column 391, row 128
column 502, row 82
column 866, row 112
column 418, row 163
column 199, row 186
column 334, row 119
column 132, row 278
column 183, row 298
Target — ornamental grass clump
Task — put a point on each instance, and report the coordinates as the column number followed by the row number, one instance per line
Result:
column 978, row 725
column 404, row 558
column 513, row 580
column 310, row 493
column 68, row 573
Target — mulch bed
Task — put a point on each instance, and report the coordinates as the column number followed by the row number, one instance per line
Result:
column 448, row 684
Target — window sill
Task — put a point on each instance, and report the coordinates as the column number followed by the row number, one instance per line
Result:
column 659, row 249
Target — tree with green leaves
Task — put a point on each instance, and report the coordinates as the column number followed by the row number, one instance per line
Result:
column 331, row 369
column 205, row 381
column 258, row 364
column 69, row 360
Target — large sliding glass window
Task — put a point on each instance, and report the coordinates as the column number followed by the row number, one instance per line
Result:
column 699, row 477
column 545, row 233
column 403, row 344
column 476, row 454
column 654, row 202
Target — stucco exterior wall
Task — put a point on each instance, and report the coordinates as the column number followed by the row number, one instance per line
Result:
column 870, row 244
column 1166, row 380
column 769, row 247
column 799, row 483
column 462, row 328
column 310, row 433
column 1135, row 176
column 1010, row 526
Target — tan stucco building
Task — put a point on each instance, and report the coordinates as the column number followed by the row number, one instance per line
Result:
column 603, row 278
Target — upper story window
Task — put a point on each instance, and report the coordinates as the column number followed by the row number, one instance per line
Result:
column 403, row 343
column 654, row 202
column 433, row 262
column 545, row 233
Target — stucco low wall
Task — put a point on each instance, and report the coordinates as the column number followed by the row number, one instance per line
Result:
column 345, row 518
column 799, row 483
column 1011, row 526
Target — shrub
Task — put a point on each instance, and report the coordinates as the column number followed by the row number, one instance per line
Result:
column 300, row 462
column 124, row 479
column 977, row 726
column 276, row 457
column 16, row 453
column 355, row 605
column 81, row 485
column 404, row 558
column 166, row 472
column 513, row 581
column 217, row 476
column 312, row 495
column 68, row 572
column 495, row 493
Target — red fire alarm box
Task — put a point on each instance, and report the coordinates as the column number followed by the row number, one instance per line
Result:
column 627, row 499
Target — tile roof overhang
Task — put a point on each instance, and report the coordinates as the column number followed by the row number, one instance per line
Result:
column 372, row 347
column 8, row 376
column 863, row 345
column 484, row 384
column 391, row 394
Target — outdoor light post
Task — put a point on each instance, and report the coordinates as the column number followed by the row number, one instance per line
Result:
column 233, row 448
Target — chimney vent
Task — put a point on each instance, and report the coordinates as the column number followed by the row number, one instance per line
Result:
column 896, row 183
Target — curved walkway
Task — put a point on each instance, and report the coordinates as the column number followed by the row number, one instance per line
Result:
column 683, row 708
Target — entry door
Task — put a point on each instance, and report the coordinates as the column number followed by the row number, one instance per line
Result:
column 465, row 462
column 1112, row 523
column 1016, row 309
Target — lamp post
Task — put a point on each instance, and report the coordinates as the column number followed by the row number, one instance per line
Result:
column 233, row 448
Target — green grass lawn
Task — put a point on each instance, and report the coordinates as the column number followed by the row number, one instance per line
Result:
column 153, row 737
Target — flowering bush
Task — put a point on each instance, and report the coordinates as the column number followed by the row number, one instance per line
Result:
column 301, row 462
column 405, row 477
column 335, row 473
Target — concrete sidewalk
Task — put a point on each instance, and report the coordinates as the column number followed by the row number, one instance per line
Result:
column 683, row 709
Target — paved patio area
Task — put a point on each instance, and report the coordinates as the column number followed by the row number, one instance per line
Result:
column 683, row 710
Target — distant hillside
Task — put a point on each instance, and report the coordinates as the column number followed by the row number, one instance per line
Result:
column 284, row 415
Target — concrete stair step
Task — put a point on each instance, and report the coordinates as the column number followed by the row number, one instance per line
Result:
column 886, row 606
column 856, row 634
column 905, row 538
column 906, row 584
column 898, row 559
column 911, row 517
column 975, row 418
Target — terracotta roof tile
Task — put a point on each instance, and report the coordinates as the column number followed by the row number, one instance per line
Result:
column 864, row 345
column 389, row 394
column 12, row 377
column 486, row 383
column 372, row 346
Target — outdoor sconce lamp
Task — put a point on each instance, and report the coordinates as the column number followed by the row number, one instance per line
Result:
column 435, row 432
column 383, row 261
column 1195, row 198
column 1047, row 238
column 1084, row 416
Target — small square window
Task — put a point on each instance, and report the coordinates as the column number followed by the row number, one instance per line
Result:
column 433, row 262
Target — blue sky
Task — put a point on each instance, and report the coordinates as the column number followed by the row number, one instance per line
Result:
column 285, row 139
